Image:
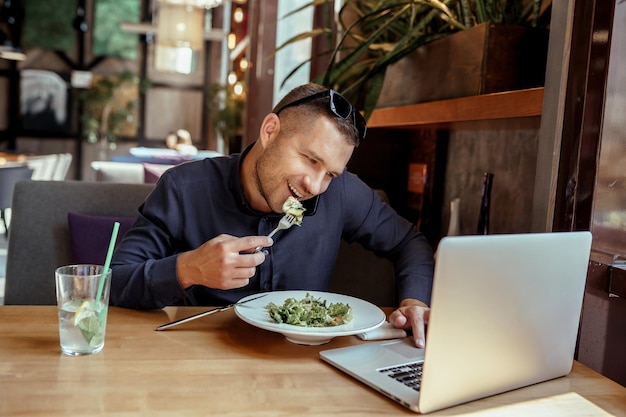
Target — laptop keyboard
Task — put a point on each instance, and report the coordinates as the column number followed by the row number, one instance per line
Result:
column 409, row 374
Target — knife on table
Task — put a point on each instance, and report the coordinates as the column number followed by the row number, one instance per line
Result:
column 205, row 313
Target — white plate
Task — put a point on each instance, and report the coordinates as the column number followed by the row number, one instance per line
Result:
column 365, row 316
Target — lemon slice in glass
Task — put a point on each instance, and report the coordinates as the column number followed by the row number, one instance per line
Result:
column 82, row 311
column 88, row 321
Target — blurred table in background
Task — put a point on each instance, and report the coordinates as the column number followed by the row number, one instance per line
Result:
column 9, row 158
column 161, row 156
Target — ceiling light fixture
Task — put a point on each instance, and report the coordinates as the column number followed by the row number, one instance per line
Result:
column 180, row 34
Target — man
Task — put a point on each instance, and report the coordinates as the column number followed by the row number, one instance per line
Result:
column 194, row 240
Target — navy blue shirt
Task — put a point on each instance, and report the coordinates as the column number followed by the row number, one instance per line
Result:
column 196, row 201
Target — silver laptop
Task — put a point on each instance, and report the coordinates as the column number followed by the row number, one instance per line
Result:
column 505, row 311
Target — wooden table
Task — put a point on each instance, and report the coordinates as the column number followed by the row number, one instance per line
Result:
column 8, row 158
column 219, row 365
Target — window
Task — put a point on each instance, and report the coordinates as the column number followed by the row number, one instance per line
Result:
column 293, row 55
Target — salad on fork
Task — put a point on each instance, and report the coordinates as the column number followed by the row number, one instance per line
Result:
column 294, row 211
column 293, row 207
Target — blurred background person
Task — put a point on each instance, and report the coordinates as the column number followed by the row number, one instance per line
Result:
column 180, row 140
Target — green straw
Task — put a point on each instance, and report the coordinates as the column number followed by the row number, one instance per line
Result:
column 107, row 262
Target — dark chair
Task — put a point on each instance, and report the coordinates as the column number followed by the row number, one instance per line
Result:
column 360, row 273
column 9, row 175
column 39, row 240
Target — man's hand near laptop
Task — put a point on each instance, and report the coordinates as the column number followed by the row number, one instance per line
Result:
column 412, row 314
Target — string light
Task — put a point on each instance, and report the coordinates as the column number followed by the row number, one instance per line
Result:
column 238, row 88
column 238, row 15
column 232, row 41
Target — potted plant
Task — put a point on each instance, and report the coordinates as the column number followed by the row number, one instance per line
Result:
column 110, row 106
column 373, row 35
column 225, row 105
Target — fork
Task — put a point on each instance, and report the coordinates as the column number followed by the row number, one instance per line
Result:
column 285, row 223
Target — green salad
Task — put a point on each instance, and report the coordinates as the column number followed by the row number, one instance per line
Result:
column 310, row 312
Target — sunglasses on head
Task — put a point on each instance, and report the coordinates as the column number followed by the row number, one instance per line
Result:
column 339, row 105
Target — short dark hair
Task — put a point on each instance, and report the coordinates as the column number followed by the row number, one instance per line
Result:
column 318, row 108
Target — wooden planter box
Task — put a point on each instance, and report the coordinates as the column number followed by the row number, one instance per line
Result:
column 487, row 58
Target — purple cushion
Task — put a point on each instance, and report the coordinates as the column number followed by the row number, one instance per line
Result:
column 152, row 172
column 90, row 236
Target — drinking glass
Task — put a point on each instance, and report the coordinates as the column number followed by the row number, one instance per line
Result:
column 82, row 317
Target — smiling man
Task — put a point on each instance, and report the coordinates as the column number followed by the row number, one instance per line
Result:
column 193, row 242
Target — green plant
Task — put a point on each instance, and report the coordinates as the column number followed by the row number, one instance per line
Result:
column 109, row 106
column 225, row 110
column 371, row 35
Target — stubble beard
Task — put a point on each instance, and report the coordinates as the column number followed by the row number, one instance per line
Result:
column 258, row 168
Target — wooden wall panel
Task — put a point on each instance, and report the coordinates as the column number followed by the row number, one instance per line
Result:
column 510, row 153
column 169, row 108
